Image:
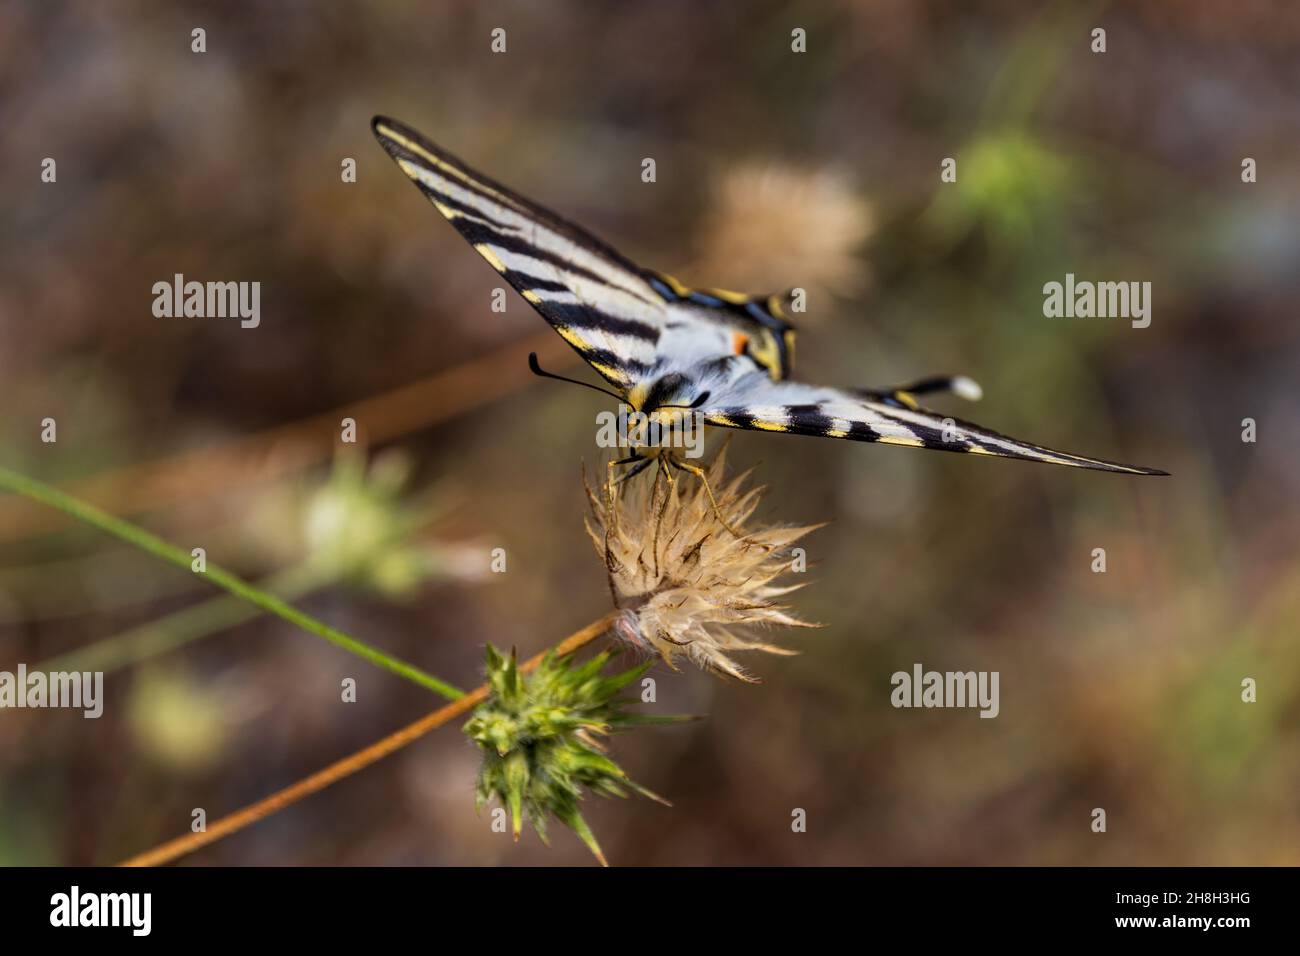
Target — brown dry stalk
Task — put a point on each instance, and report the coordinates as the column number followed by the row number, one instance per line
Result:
column 286, row 448
column 232, row 823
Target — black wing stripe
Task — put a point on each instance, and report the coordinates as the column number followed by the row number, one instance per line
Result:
column 860, row 431
column 603, row 357
column 812, row 418
column 737, row 418
column 522, row 280
column 474, row 214
column 477, row 234
column 587, row 317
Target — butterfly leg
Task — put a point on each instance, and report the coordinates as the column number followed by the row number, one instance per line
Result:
column 698, row 472
column 669, row 488
column 638, row 464
column 611, row 482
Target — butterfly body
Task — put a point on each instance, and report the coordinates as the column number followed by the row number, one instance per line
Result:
column 667, row 349
column 729, row 323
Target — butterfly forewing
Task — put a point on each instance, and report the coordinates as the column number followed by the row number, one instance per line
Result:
column 599, row 301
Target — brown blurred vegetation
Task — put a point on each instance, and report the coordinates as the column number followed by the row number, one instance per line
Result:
column 1118, row 690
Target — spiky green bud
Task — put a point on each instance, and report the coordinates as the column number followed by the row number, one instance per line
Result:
column 538, row 736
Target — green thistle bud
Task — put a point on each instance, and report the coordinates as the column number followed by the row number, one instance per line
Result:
column 538, row 737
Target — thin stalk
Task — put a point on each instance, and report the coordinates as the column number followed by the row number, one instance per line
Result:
column 182, row 627
column 234, row 822
column 45, row 494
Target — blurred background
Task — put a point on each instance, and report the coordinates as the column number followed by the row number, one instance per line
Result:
column 821, row 170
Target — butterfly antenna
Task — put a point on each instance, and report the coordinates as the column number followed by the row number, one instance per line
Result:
column 542, row 373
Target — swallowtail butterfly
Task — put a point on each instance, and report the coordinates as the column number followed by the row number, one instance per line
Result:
column 662, row 345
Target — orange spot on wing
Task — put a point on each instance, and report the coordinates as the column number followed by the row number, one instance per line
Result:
column 738, row 342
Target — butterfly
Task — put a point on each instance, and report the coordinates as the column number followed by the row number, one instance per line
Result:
column 664, row 346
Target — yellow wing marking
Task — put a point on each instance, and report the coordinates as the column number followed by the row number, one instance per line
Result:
column 486, row 252
column 442, row 165
column 447, row 210
column 611, row 373
column 735, row 298
column 573, row 338
column 682, row 289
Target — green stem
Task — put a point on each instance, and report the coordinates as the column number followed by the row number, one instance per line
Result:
column 44, row 494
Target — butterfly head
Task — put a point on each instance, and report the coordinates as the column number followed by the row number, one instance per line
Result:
column 667, row 404
column 671, row 392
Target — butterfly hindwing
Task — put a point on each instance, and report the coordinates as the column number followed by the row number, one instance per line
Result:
column 753, row 401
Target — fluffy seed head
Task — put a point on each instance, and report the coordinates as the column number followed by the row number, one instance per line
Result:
column 686, row 585
column 770, row 221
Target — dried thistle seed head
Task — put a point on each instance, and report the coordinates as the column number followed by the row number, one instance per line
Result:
column 687, row 585
column 538, row 734
column 770, row 220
